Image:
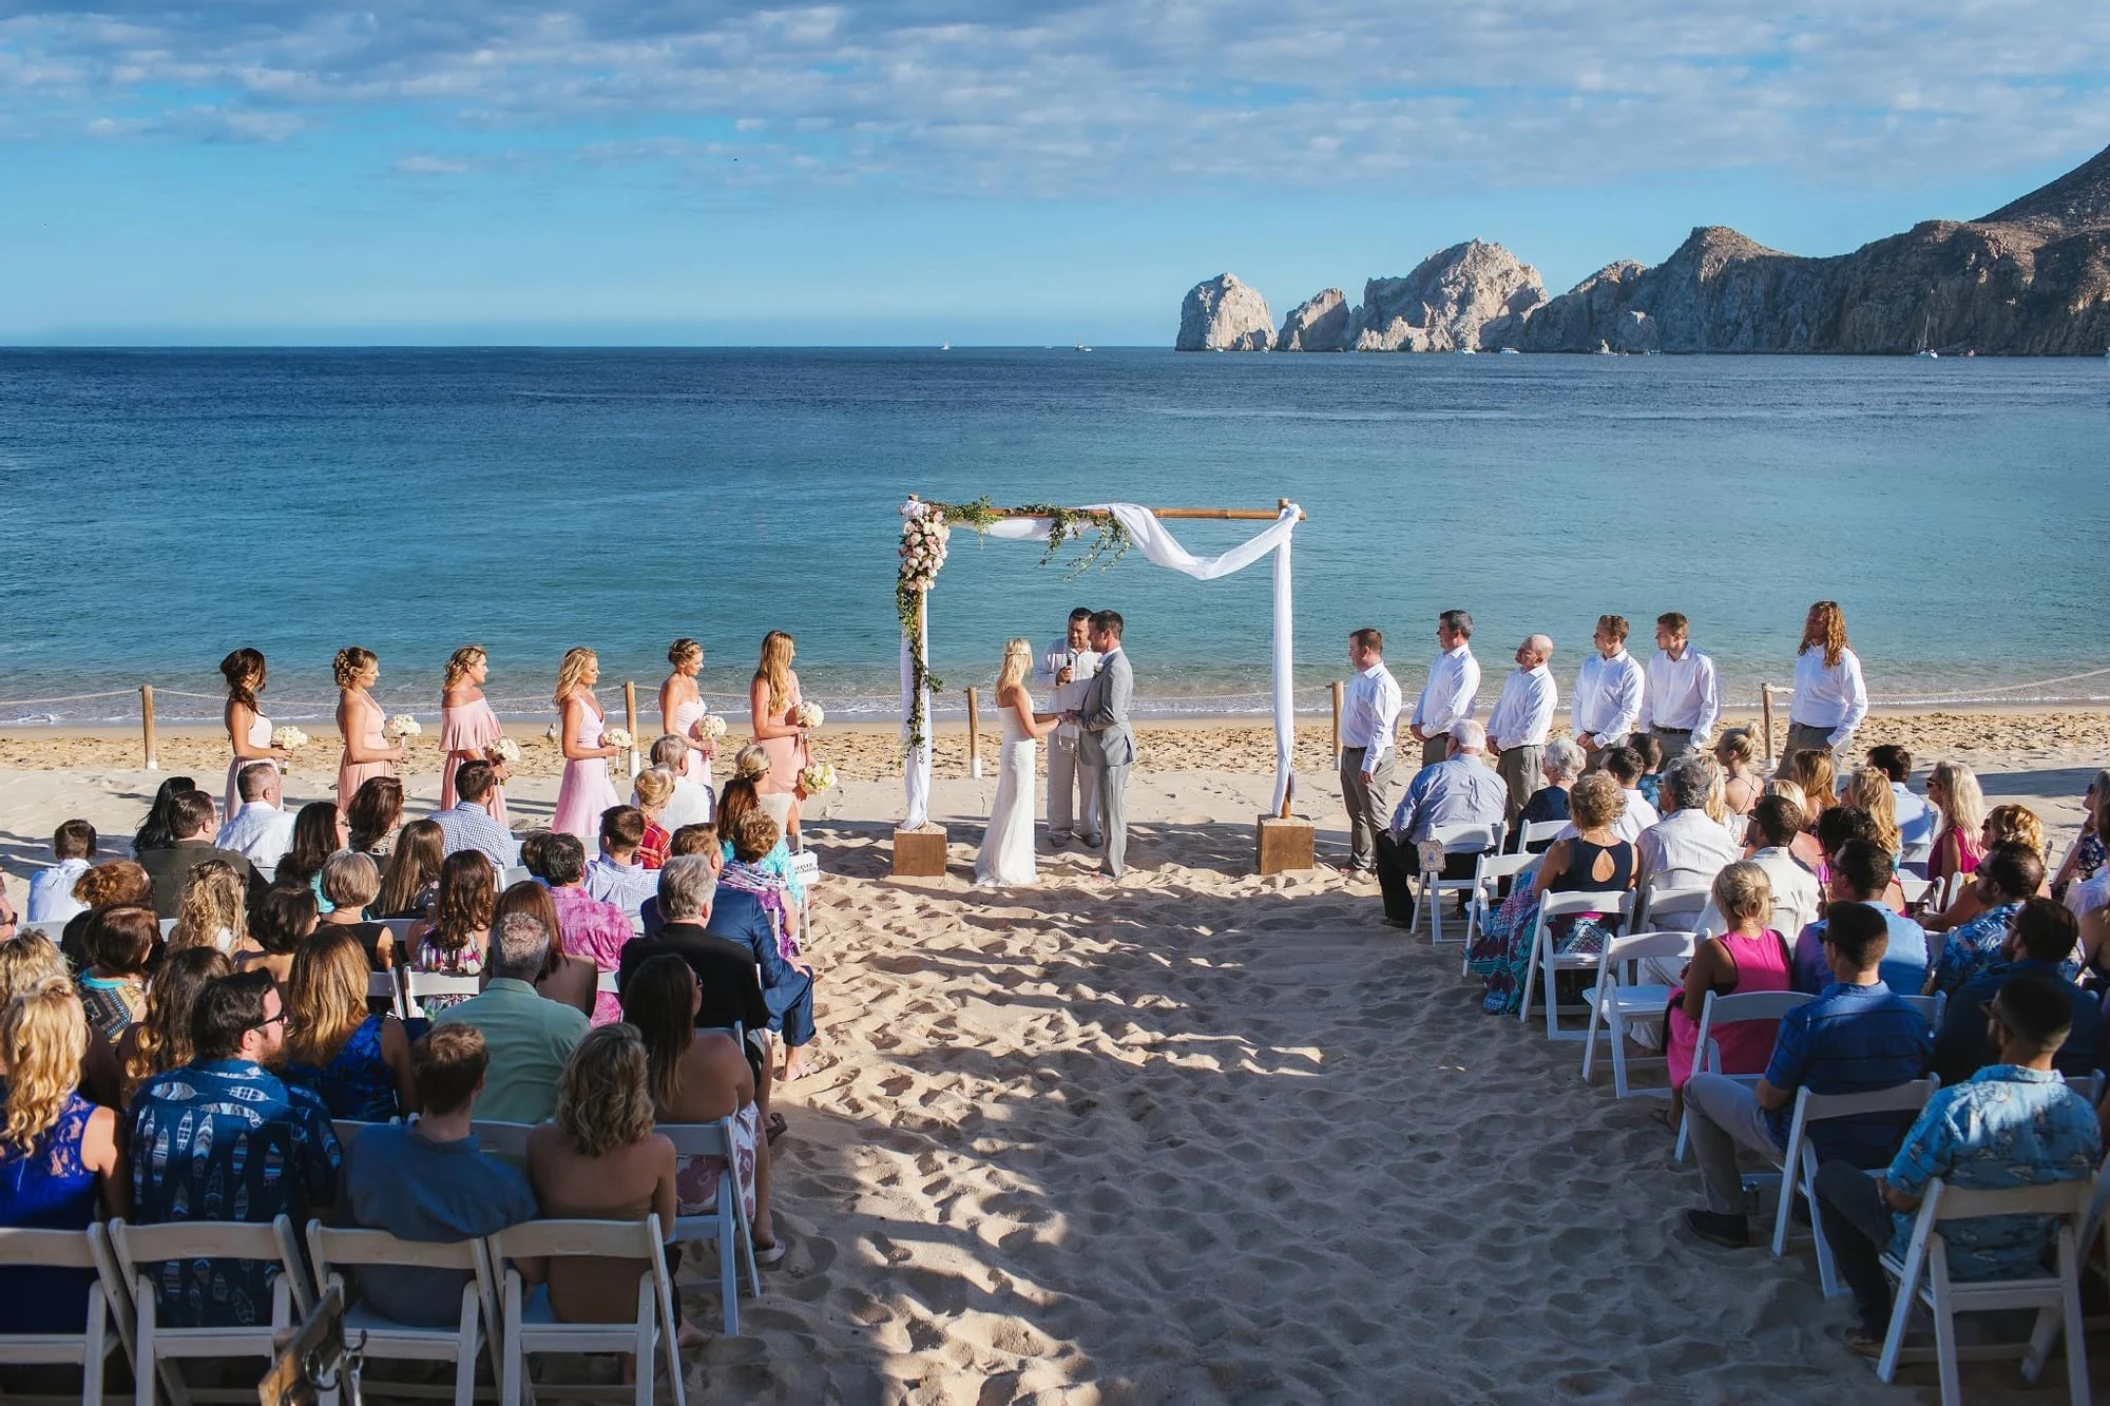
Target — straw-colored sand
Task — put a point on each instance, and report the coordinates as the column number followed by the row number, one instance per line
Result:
column 1203, row 1137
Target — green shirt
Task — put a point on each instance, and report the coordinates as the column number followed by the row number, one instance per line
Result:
column 529, row 1039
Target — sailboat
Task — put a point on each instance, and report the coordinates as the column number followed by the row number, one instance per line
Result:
column 1926, row 351
column 945, row 346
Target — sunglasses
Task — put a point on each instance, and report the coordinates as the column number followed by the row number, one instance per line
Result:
column 267, row 1022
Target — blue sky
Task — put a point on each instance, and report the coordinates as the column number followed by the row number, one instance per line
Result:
column 682, row 171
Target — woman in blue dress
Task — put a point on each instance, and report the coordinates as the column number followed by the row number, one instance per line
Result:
column 357, row 1062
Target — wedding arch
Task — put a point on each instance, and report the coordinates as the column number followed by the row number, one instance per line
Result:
column 1112, row 528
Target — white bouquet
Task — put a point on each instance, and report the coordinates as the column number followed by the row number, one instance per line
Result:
column 290, row 738
column 818, row 777
column 505, row 749
column 401, row 727
column 810, row 715
column 709, row 728
column 616, row 737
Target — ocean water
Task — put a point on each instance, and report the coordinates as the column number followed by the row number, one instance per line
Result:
column 161, row 507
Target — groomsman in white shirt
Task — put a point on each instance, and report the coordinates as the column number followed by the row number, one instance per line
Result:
column 1608, row 691
column 1369, row 722
column 1683, row 699
column 1516, row 730
column 1447, row 699
column 1066, row 671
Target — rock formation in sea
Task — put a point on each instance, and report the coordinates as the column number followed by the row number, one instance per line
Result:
column 1319, row 323
column 1222, row 314
column 2031, row 278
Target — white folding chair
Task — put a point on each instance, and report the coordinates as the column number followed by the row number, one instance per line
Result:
column 100, row 1334
column 1929, row 1007
column 332, row 1251
column 168, row 927
column 1671, row 909
column 1916, row 889
column 2088, row 1086
column 1455, row 839
column 727, row 1224
column 517, row 874
column 530, row 1326
column 53, row 929
column 383, row 986
column 1530, row 832
column 1621, row 998
column 1733, row 1009
column 348, row 1130
column 418, row 985
column 605, row 984
column 1923, row 1278
column 1918, row 852
column 1799, row 1162
column 1487, row 888
column 1545, row 961
column 138, row 1246
column 502, row 1139
column 399, row 930
column 637, row 924
column 807, row 865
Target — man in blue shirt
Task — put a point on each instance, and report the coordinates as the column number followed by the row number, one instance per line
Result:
column 223, row 1139
column 1855, row 1037
column 468, row 825
column 1861, row 871
column 2006, row 876
column 1462, row 789
column 431, row 1182
column 2040, row 937
column 2012, row 1124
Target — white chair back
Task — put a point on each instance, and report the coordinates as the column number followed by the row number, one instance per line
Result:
column 156, row 1347
column 1915, row 888
column 168, row 927
column 726, row 1222
column 90, row 1348
column 381, row 986
column 605, row 984
column 502, row 1139
column 517, row 874
column 1799, row 1160
column 1530, row 832
column 1733, row 1009
column 1621, row 999
column 418, row 985
column 1665, row 909
column 530, row 1327
column 333, row 1251
column 1929, row 1007
column 1545, row 961
column 52, row 928
column 1455, row 839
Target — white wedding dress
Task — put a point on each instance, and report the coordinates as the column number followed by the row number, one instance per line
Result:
column 1007, row 844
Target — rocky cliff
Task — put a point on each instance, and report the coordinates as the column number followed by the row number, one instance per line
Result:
column 2031, row 278
column 1223, row 314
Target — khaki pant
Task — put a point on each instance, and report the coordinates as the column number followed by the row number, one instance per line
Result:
column 1369, row 807
column 1520, row 770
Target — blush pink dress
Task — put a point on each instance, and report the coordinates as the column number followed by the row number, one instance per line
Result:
column 351, row 776
column 465, row 733
column 787, row 755
column 585, row 790
column 1762, row 964
column 695, row 766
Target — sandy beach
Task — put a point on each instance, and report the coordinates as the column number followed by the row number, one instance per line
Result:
column 1202, row 1137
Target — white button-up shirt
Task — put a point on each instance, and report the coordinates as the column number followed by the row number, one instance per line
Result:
column 1448, row 697
column 259, row 832
column 1525, row 710
column 1082, row 664
column 51, row 897
column 1682, row 695
column 1834, row 697
column 1607, row 700
column 1370, row 714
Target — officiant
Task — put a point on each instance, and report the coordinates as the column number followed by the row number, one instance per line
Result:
column 1066, row 669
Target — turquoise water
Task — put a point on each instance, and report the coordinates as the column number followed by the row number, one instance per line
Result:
column 159, row 508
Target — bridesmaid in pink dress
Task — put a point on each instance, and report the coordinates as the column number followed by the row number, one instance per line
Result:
column 681, row 709
column 773, row 699
column 248, row 730
column 367, row 752
column 1749, row 957
column 585, row 790
column 469, row 730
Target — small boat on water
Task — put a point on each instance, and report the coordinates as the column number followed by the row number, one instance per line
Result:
column 945, row 346
column 1929, row 353
column 1082, row 347
column 1467, row 351
column 1604, row 349
column 1512, row 351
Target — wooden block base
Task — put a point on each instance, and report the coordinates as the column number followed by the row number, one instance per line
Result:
column 1281, row 845
column 920, row 854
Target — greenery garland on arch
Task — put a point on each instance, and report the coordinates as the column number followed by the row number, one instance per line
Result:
column 1103, row 541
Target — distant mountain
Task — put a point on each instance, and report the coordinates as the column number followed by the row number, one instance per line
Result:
column 2030, row 279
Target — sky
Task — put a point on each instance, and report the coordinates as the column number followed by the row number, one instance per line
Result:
column 980, row 171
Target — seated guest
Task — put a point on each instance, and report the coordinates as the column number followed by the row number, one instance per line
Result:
column 411, row 883
column 1953, row 792
column 587, row 927
column 350, row 882
column 571, row 981
column 1736, row 752
column 2008, row 875
column 1563, row 764
column 259, row 830
column 533, row 845
column 160, row 1040
column 2013, row 1123
column 32, row 961
column 787, row 982
column 601, row 1160
column 357, row 1063
column 469, row 824
column 2040, row 938
column 318, row 832
column 1748, row 956
column 654, row 788
column 1462, row 789
column 699, row 1077
column 169, row 867
column 2083, row 861
column 1812, row 770
column 1861, row 873
column 121, row 941
column 430, row 1182
column 51, row 897
column 617, row 878
column 727, row 973
column 742, row 797
column 456, row 940
column 1915, row 819
column 1855, row 1037
column 283, row 919
column 1868, row 791
column 528, row 1038
column 1648, row 756
column 230, row 1141
column 111, row 882
column 689, row 839
column 158, row 830
column 753, row 838
column 692, row 802
column 1624, row 764
column 1687, row 848
column 60, row 1158
column 370, row 820
column 1843, row 824
column 214, row 911
column 1771, row 829
column 1592, row 860
column 2004, row 825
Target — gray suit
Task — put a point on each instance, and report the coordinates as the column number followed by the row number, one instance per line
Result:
column 1107, row 749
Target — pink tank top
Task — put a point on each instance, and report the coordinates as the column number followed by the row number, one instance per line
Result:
column 1761, row 965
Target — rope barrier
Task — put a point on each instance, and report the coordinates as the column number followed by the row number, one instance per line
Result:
column 1966, row 696
column 68, row 698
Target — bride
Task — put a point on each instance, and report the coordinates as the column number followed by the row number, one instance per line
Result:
column 1007, row 845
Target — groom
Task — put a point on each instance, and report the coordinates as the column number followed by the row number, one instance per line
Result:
column 1105, row 747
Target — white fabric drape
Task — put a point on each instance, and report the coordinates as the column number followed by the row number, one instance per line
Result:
column 1161, row 548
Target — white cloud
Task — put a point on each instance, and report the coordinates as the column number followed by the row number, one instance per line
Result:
column 431, row 166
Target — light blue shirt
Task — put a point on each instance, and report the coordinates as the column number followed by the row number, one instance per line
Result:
column 625, row 886
column 469, row 826
column 1459, row 790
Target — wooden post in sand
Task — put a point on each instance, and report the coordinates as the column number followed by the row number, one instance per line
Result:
column 974, row 733
column 146, row 724
column 1765, row 711
column 630, row 721
column 1282, row 842
column 1338, row 689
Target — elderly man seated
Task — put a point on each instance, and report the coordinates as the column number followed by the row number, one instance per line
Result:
column 1687, row 847
column 1462, row 789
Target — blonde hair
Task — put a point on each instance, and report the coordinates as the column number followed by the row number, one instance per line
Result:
column 325, row 996
column 1813, row 772
column 1017, row 663
column 751, row 762
column 27, row 962
column 349, row 879
column 214, row 900
column 1738, row 745
column 1962, row 803
column 351, row 662
column 1742, row 891
column 604, row 1100
column 572, row 671
column 460, row 663
column 2015, row 825
column 1597, row 799
column 1869, row 790
column 1788, row 790
column 43, row 1038
column 655, row 787
column 1825, row 626
column 775, row 667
